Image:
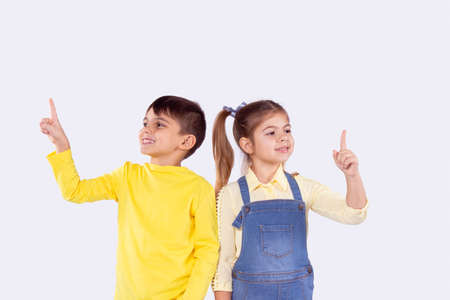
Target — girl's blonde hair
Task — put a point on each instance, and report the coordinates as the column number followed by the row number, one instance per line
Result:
column 246, row 120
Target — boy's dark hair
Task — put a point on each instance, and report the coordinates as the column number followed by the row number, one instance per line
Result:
column 189, row 115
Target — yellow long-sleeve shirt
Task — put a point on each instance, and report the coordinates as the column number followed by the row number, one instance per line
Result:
column 316, row 196
column 167, row 243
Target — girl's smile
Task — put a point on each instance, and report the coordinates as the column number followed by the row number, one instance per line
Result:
column 283, row 149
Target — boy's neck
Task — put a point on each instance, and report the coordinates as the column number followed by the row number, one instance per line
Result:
column 264, row 171
column 166, row 161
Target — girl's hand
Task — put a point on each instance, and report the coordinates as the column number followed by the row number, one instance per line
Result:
column 345, row 159
column 53, row 129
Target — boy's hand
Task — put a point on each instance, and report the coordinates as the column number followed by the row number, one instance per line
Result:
column 52, row 128
column 345, row 159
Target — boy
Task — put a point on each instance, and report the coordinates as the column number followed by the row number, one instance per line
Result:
column 167, row 244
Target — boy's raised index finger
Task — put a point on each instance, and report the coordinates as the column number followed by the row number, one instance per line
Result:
column 53, row 114
column 343, row 142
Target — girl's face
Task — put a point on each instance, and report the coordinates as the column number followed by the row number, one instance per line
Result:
column 272, row 140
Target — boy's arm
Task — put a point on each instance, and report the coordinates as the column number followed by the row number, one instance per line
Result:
column 86, row 190
column 72, row 188
column 206, row 245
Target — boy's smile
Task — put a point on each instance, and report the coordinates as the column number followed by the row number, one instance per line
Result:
column 148, row 141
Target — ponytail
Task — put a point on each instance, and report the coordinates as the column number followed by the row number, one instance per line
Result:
column 222, row 151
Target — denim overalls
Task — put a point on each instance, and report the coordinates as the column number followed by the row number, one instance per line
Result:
column 273, row 263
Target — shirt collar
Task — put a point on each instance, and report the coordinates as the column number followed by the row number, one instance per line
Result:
column 279, row 180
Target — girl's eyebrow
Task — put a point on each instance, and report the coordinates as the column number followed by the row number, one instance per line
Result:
column 273, row 126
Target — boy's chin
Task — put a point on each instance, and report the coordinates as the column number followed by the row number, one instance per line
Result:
column 146, row 152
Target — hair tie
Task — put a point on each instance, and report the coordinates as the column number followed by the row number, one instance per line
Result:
column 234, row 111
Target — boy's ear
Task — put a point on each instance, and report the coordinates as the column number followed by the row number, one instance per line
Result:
column 188, row 142
column 246, row 145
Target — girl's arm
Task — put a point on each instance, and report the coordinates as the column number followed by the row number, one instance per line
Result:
column 220, row 295
column 356, row 195
column 222, row 282
column 348, row 163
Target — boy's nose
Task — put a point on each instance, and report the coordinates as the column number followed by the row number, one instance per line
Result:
column 148, row 129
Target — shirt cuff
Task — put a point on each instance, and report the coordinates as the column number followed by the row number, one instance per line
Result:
column 358, row 211
column 55, row 158
column 356, row 215
column 222, row 287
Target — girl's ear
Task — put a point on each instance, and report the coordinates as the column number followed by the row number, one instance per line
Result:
column 246, row 145
column 188, row 142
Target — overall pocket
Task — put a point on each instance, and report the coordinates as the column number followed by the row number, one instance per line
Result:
column 276, row 240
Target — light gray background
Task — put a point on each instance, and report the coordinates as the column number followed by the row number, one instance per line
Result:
column 379, row 69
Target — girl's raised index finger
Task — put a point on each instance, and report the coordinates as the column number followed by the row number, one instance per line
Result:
column 53, row 114
column 343, row 142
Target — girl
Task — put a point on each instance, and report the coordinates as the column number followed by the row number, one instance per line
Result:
column 263, row 243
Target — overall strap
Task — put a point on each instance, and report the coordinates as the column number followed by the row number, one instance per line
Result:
column 244, row 190
column 245, row 198
column 294, row 187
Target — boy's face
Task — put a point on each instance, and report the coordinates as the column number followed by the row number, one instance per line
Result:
column 160, row 136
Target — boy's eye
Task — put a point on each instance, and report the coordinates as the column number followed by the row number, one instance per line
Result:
column 288, row 130
column 270, row 133
column 158, row 124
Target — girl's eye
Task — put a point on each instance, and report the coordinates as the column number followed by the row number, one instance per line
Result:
column 159, row 124
column 270, row 133
column 288, row 131
column 145, row 124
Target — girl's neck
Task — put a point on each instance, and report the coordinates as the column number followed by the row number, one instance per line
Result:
column 264, row 171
